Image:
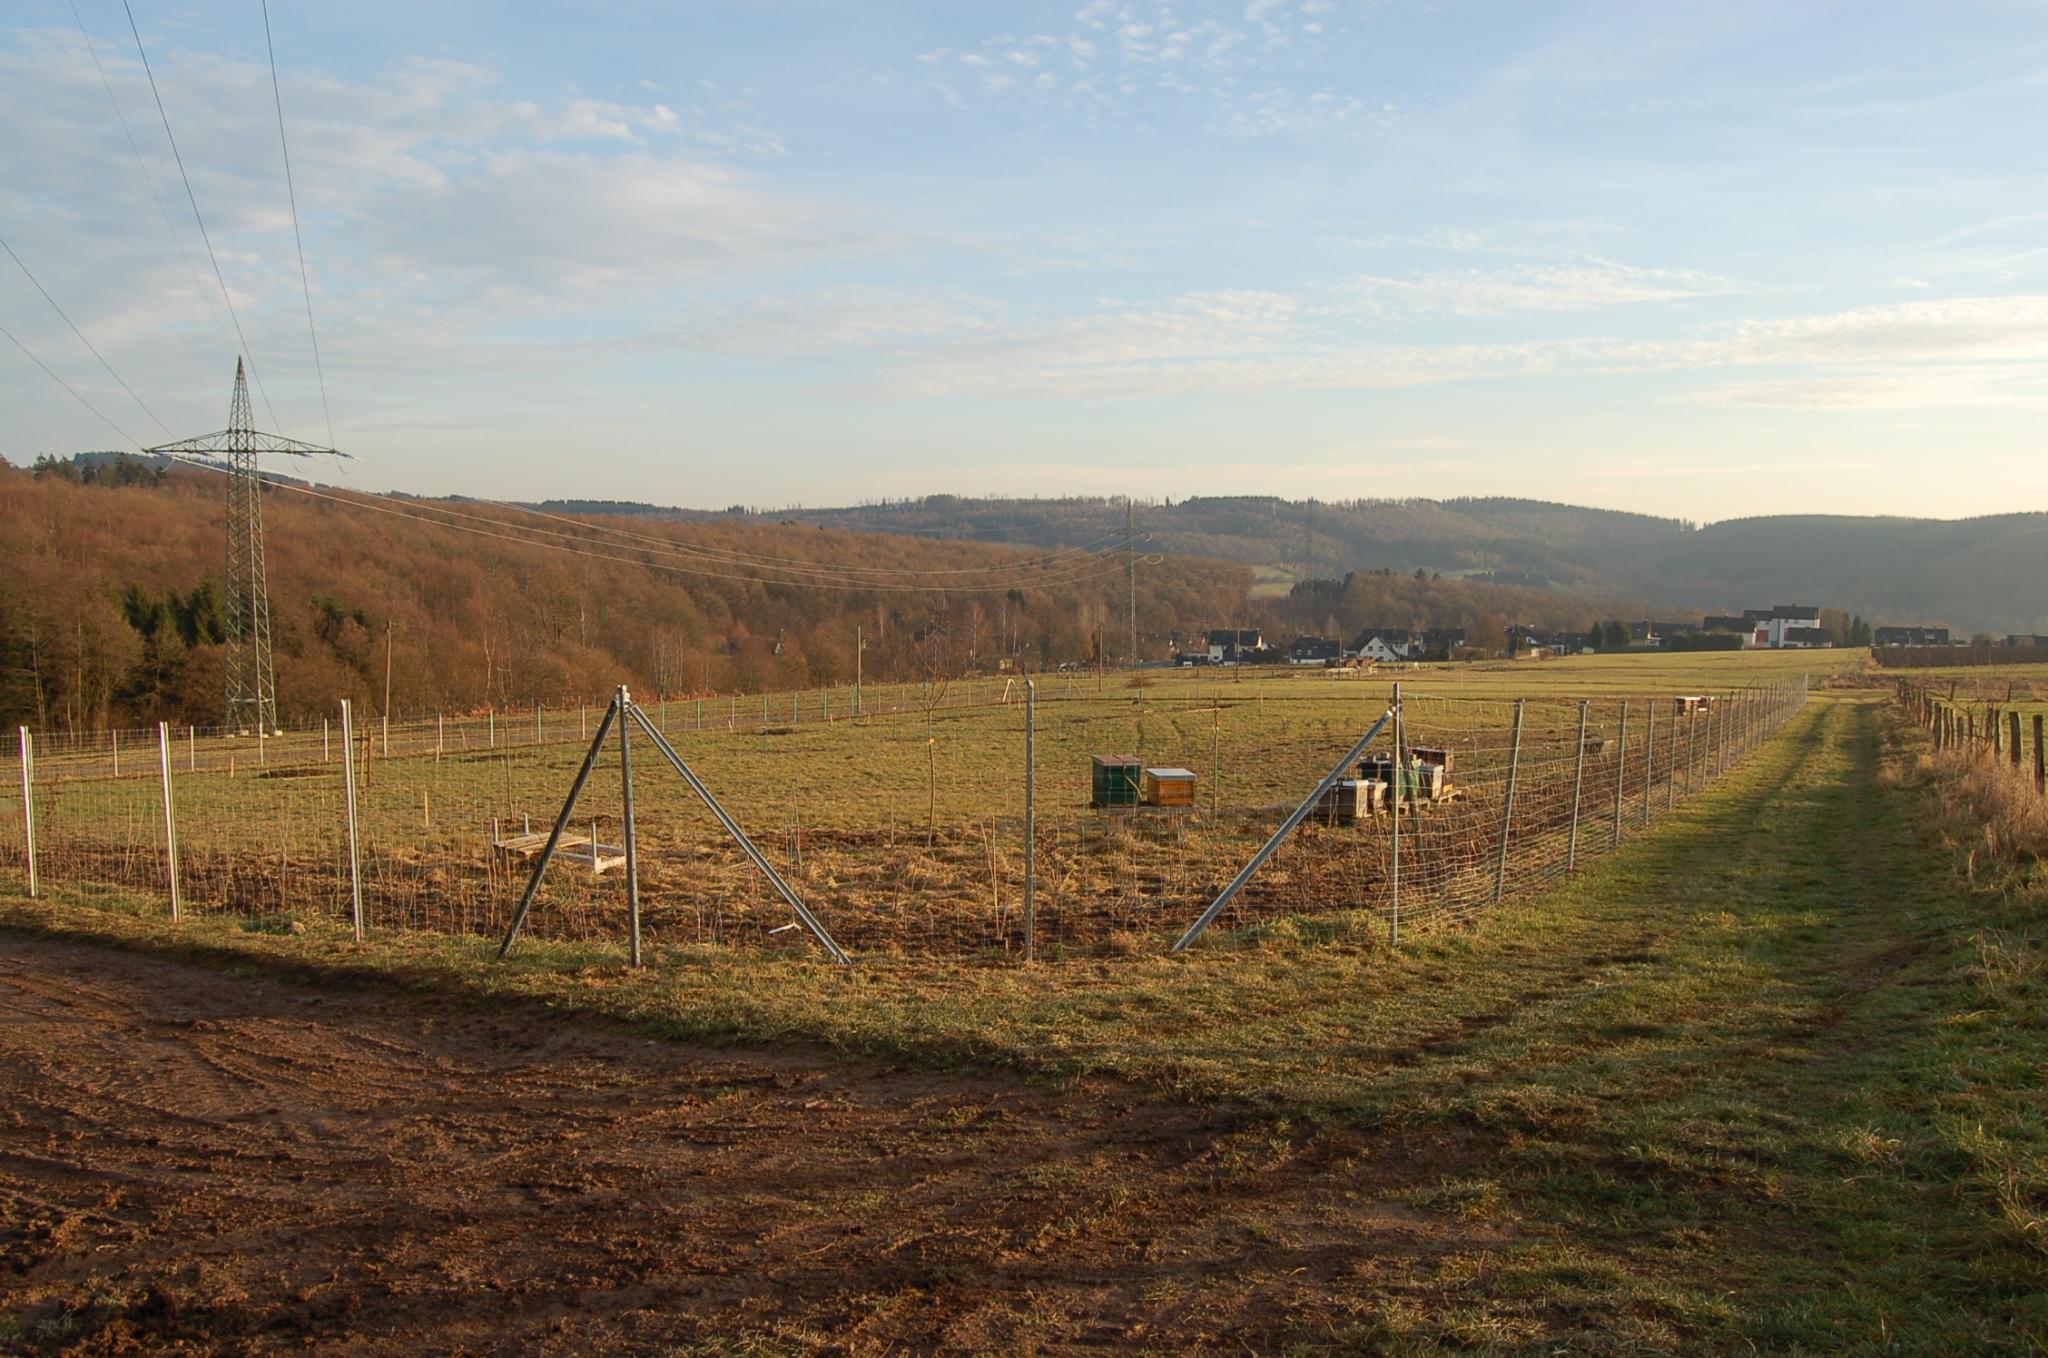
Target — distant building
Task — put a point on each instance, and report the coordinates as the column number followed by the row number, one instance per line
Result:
column 1381, row 643
column 1437, row 641
column 1728, row 622
column 1911, row 636
column 1230, row 645
column 2025, row 639
column 1406, row 643
column 1785, row 626
column 1314, row 651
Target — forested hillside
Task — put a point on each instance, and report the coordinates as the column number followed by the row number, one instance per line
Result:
column 111, row 603
column 1984, row 574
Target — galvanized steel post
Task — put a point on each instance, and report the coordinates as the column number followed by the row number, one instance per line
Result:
column 1030, row 819
column 1571, row 853
column 163, row 756
column 632, row 839
column 1507, row 807
column 1620, row 770
column 28, row 804
column 1394, row 822
column 355, row 865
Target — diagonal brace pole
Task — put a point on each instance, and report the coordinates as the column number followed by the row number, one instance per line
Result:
column 732, row 827
column 1287, row 828
column 561, row 823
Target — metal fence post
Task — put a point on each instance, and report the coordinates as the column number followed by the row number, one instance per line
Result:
column 1707, row 741
column 163, row 755
column 1620, row 770
column 2015, row 741
column 1030, row 818
column 1571, row 853
column 1692, row 733
column 1507, row 806
column 1394, row 822
column 1671, row 762
column 348, row 781
column 1649, row 754
column 632, row 839
column 117, row 750
column 28, row 804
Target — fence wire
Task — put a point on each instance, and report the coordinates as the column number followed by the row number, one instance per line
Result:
column 901, row 827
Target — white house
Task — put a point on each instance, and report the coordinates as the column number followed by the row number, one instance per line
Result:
column 1786, row 626
column 1228, row 645
column 1382, row 645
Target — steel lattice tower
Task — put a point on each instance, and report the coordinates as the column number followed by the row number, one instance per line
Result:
column 251, row 685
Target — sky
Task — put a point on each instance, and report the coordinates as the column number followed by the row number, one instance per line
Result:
column 1706, row 261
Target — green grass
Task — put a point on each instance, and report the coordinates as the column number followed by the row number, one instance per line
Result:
column 1770, row 1078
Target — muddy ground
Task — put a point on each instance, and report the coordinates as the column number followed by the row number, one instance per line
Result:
column 193, row 1161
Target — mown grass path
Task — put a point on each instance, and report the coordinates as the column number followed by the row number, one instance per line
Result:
column 1749, row 1085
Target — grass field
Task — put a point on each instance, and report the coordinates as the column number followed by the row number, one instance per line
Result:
column 1770, row 1078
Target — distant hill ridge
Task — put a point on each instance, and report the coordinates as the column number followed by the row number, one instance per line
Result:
column 1983, row 574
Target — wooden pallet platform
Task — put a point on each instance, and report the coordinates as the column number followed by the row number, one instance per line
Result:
column 577, row 851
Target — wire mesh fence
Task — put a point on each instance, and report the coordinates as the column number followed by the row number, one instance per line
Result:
column 900, row 821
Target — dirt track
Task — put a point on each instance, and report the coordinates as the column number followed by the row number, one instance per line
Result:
column 197, row 1162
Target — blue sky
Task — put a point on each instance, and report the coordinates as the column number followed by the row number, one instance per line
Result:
column 1699, row 260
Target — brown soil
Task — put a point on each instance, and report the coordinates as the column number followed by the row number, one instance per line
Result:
column 199, row 1162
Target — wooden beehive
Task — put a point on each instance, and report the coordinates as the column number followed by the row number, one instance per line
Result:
column 1351, row 799
column 1169, row 787
column 1435, row 756
column 1115, row 781
column 1419, row 781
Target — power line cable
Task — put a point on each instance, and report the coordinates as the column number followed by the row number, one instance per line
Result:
column 81, row 335
column 193, row 198
column 198, row 288
column 298, row 240
column 126, row 437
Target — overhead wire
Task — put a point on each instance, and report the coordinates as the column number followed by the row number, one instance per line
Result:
column 197, row 216
column 292, row 194
column 410, row 510
column 198, row 287
column 90, row 346
column 126, row 437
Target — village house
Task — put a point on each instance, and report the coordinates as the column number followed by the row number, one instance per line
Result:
column 1229, row 645
column 1911, row 636
column 1314, row 651
column 1785, row 626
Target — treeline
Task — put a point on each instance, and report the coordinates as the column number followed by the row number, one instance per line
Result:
column 111, row 604
column 1339, row 608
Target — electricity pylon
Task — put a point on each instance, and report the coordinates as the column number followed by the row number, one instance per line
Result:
column 251, row 684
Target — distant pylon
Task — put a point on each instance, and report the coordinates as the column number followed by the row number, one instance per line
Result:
column 251, row 682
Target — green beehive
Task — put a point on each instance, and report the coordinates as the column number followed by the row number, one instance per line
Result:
column 1116, row 780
